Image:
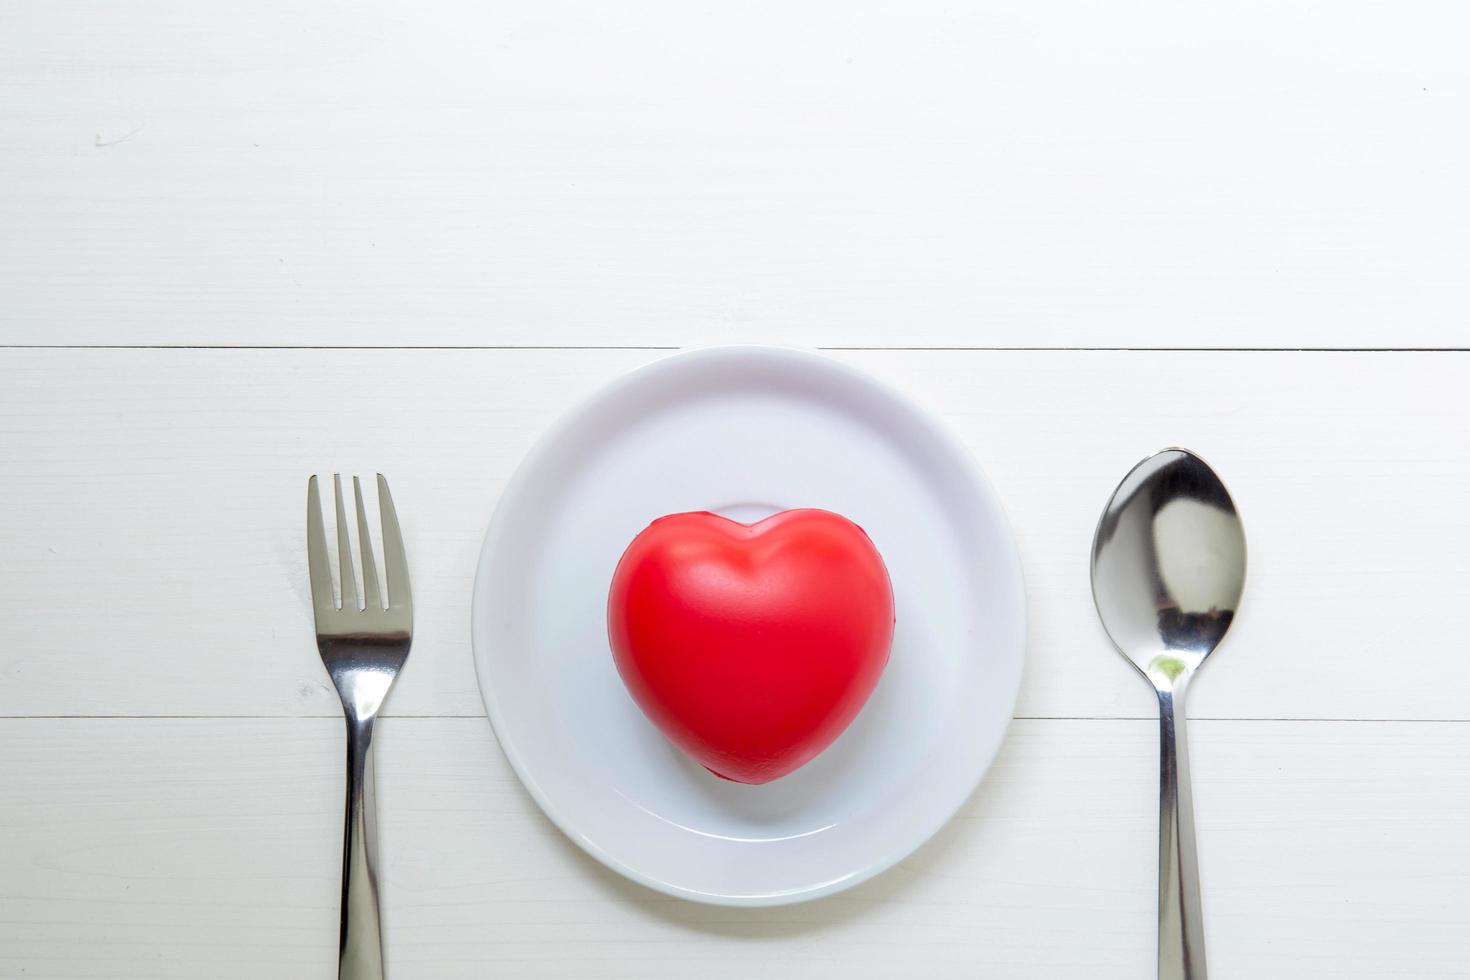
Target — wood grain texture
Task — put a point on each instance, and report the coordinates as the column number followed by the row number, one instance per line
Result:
column 155, row 546
column 563, row 174
column 1267, row 174
column 208, row 848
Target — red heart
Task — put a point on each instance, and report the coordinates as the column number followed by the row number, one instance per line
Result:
column 751, row 646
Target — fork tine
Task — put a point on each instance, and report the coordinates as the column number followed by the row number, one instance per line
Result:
column 344, row 552
column 365, row 548
column 316, row 552
column 395, row 564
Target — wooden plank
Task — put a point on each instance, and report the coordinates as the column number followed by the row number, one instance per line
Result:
column 1014, row 174
column 154, row 550
column 192, row 848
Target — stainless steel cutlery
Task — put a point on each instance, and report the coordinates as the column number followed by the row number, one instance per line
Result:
column 363, row 645
column 1168, row 569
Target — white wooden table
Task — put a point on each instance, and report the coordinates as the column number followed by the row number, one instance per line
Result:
column 243, row 243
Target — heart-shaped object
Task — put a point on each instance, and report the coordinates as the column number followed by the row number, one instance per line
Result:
column 751, row 646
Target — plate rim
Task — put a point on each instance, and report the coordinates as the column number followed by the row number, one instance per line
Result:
column 514, row 489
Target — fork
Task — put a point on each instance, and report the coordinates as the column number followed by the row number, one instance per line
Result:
column 363, row 649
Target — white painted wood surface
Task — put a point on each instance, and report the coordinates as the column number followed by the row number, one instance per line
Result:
column 1257, row 174
column 565, row 176
column 169, row 749
column 163, row 490
column 193, row 848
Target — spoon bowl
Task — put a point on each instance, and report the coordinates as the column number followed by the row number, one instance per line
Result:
column 1168, row 565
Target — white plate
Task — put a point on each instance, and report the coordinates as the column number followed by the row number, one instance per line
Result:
column 747, row 432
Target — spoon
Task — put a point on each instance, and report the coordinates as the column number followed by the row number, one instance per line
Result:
column 1168, row 567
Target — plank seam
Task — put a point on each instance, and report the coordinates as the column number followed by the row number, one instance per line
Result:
column 338, row 717
column 652, row 347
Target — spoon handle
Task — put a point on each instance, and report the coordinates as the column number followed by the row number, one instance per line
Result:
column 1181, row 921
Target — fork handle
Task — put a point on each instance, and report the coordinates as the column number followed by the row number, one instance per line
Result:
column 360, row 946
column 1181, row 919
